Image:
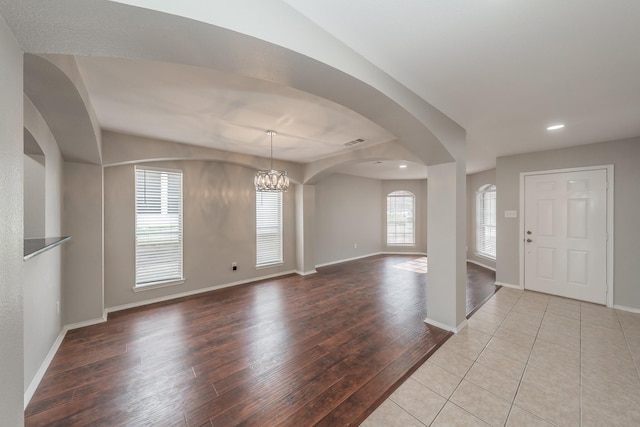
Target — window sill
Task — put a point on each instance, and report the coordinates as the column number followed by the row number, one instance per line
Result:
column 485, row 256
column 157, row 285
column 275, row 264
column 408, row 245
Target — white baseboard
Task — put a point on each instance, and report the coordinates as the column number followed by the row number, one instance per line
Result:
column 441, row 325
column 86, row 323
column 193, row 292
column 306, row 273
column 472, row 261
column 509, row 285
column 347, row 260
column 629, row 309
column 404, row 253
column 35, row 382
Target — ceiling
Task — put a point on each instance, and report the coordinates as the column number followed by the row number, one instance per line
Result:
column 209, row 108
column 503, row 70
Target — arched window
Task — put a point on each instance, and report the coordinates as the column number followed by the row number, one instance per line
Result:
column 486, row 221
column 400, row 219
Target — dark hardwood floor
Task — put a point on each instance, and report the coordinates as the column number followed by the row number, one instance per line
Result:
column 325, row 349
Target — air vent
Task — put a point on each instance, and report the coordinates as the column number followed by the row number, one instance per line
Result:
column 354, row 142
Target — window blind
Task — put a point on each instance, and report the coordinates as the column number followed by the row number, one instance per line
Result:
column 158, row 226
column 486, row 221
column 400, row 219
column 268, row 228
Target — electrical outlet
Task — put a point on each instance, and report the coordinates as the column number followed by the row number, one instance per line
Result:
column 355, row 246
column 234, row 266
column 57, row 307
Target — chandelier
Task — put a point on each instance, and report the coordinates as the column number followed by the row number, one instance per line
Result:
column 271, row 180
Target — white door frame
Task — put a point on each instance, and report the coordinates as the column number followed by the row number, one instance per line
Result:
column 610, row 190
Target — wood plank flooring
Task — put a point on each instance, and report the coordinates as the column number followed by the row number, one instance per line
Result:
column 324, row 349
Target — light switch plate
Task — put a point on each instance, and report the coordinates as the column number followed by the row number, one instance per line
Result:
column 510, row 214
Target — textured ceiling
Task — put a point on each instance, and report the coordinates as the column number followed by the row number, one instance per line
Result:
column 503, row 70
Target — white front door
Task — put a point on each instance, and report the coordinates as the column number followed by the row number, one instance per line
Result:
column 565, row 220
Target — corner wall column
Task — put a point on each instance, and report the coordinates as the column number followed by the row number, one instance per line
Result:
column 83, row 269
column 305, row 229
column 446, row 245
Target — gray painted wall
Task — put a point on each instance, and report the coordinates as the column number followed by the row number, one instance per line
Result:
column 219, row 228
column 625, row 156
column 474, row 182
column 348, row 212
column 83, row 254
column 11, row 220
column 42, row 282
column 34, row 195
column 419, row 190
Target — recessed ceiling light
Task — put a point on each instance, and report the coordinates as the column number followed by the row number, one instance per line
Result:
column 403, row 166
column 555, row 127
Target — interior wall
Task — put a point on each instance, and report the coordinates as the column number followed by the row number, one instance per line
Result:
column 474, row 182
column 11, row 237
column 348, row 218
column 42, row 283
column 82, row 300
column 219, row 202
column 419, row 190
column 625, row 156
column 34, row 195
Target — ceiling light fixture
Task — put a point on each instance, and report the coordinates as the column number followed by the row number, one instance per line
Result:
column 555, row 127
column 271, row 180
column 403, row 166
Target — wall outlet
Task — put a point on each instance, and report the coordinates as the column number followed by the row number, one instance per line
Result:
column 355, row 246
column 234, row 266
column 57, row 307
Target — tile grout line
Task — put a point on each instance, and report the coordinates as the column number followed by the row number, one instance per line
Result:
column 626, row 340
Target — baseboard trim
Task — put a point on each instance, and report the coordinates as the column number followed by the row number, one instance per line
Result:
column 441, row 325
column 628, row 309
column 193, row 292
column 404, row 253
column 35, row 382
column 509, row 285
column 347, row 260
column 306, row 273
column 481, row 264
column 87, row 322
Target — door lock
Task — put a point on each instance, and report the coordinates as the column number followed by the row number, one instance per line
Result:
column 528, row 231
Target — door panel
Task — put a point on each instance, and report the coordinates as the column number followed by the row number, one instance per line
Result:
column 566, row 234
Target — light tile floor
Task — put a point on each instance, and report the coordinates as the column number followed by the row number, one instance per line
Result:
column 527, row 359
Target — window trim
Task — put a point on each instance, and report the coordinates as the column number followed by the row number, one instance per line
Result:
column 280, row 209
column 169, row 281
column 481, row 193
column 401, row 193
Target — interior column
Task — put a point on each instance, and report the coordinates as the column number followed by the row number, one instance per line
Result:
column 305, row 229
column 446, row 245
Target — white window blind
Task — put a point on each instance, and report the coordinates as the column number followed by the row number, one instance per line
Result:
column 158, row 226
column 268, row 228
column 400, row 219
column 486, row 221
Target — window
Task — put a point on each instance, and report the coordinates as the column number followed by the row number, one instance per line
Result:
column 268, row 228
column 400, row 223
column 158, row 226
column 486, row 221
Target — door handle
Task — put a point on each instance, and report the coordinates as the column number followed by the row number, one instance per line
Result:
column 529, row 240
